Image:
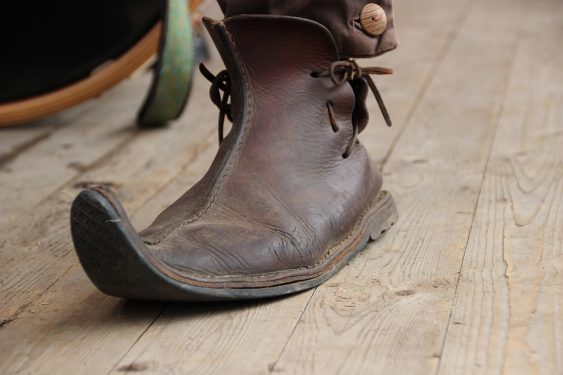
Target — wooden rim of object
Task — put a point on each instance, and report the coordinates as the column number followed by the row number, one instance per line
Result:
column 102, row 79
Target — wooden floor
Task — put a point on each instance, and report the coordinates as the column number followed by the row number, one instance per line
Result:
column 470, row 280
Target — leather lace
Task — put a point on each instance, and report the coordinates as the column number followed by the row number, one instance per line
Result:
column 340, row 72
column 220, row 94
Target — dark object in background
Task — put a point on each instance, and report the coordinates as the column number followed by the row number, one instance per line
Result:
column 59, row 53
column 50, row 44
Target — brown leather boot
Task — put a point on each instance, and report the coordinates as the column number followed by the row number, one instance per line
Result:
column 291, row 196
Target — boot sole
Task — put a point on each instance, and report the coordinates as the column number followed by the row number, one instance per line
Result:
column 118, row 262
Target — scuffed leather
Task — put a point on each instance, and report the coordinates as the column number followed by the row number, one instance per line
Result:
column 279, row 194
column 339, row 16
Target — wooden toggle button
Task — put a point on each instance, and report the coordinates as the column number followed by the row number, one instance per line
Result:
column 373, row 19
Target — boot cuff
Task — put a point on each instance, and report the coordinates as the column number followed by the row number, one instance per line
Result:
column 341, row 17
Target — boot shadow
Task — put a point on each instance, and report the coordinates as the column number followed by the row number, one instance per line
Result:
column 192, row 309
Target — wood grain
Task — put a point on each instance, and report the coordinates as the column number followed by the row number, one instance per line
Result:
column 14, row 141
column 427, row 31
column 507, row 315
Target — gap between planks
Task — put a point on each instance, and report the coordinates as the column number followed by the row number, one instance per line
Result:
column 19, row 139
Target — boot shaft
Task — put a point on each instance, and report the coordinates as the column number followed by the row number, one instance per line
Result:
column 278, row 98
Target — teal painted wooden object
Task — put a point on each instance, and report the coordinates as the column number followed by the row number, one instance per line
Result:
column 174, row 69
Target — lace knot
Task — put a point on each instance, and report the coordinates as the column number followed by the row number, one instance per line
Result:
column 220, row 93
column 344, row 71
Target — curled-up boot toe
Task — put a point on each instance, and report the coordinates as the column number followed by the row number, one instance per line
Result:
column 291, row 196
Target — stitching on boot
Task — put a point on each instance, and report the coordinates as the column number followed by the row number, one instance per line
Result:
column 232, row 159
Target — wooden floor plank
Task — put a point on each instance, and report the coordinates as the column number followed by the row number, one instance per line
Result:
column 508, row 316
column 388, row 311
column 426, row 32
column 45, row 311
column 53, row 333
column 16, row 140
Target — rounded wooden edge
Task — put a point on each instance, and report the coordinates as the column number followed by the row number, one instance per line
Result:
column 22, row 111
column 373, row 19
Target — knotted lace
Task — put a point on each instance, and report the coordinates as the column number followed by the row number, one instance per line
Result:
column 340, row 72
column 220, row 94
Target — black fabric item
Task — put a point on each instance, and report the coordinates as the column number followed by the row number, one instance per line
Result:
column 47, row 45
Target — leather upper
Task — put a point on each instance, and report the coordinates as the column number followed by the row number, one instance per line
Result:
column 279, row 192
